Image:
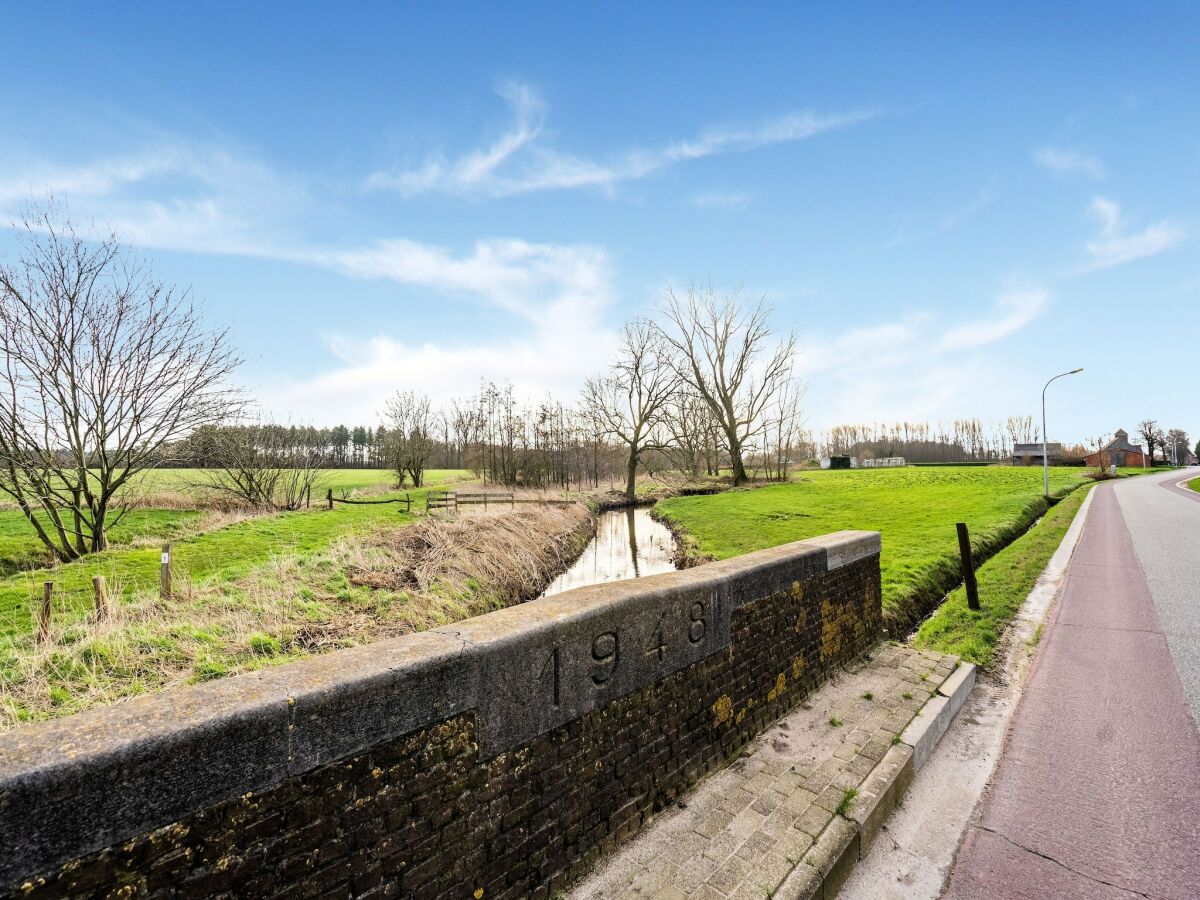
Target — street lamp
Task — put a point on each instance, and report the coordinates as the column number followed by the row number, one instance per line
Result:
column 1045, row 455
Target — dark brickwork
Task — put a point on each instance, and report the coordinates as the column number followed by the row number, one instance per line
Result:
column 424, row 815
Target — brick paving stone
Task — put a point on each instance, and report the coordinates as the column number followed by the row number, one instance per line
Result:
column 745, row 827
column 800, row 800
column 723, row 847
column 813, row 820
column 793, row 845
column 830, row 798
column 729, row 876
column 695, row 873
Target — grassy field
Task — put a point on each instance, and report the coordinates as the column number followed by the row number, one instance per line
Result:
column 21, row 550
column 915, row 509
column 233, row 545
column 1194, row 484
column 248, row 590
column 185, row 480
column 1004, row 582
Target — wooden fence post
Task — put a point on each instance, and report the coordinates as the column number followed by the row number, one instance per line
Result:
column 43, row 632
column 329, row 498
column 100, row 592
column 968, row 566
column 308, row 497
column 164, row 574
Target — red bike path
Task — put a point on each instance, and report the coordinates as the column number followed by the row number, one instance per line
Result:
column 1097, row 793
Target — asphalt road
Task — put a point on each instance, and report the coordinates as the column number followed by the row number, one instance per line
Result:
column 1097, row 793
column 1164, row 521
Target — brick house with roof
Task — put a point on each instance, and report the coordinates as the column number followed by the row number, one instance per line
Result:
column 1119, row 452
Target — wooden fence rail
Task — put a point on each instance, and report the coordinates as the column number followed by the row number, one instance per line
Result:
column 406, row 500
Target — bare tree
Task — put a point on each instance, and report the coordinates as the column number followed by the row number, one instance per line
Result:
column 783, row 429
column 1148, row 431
column 690, row 425
column 629, row 403
column 412, row 438
column 103, row 369
column 722, row 350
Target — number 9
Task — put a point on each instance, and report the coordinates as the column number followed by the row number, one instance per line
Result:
column 606, row 651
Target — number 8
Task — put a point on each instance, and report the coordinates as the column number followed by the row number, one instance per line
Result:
column 698, row 627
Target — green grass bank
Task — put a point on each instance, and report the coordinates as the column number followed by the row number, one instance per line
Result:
column 915, row 509
column 1004, row 582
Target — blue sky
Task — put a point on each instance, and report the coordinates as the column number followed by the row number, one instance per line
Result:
column 949, row 204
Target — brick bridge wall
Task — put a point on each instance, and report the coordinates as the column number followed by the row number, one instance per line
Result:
column 498, row 757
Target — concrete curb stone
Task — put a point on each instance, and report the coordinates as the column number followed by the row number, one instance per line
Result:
column 844, row 841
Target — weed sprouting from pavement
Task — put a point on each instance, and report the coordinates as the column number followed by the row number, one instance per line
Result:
column 847, row 798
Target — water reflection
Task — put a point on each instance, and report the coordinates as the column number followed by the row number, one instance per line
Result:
column 628, row 544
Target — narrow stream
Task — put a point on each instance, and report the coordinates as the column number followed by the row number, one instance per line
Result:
column 628, row 544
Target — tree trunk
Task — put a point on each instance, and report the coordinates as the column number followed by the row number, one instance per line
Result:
column 631, row 476
column 735, row 459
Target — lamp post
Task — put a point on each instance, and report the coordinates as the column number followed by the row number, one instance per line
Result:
column 1045, row 455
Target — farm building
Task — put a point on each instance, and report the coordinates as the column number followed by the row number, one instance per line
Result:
column 1031, row 454
column 1118, row 452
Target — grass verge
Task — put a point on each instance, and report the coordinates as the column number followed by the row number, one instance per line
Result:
column 1194, row 484
column 1004, row 582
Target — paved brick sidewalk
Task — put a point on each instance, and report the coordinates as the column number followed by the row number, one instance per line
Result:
column 740, row 832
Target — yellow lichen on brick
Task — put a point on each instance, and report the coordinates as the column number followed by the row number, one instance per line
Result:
column 797, row 590
column 833, row 624
column 723, row 709
column 478, row 893
column 741, row 715
column 798, row 665
column 801, row 619
column 780, row 687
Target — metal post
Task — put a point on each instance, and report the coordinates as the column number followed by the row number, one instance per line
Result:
column 968, row 566
column 164, row 574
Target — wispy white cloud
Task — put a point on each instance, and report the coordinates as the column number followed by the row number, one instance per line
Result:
column 1066, row 161
column 519, row 162
column 172, row 195
column 719, row 199
column 477, row 168
column 919, row 335
column 559, row 296
column 948, row 223
column 920, row 366
column 542, row 283
column 1113, row 246
column 1012, row 312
